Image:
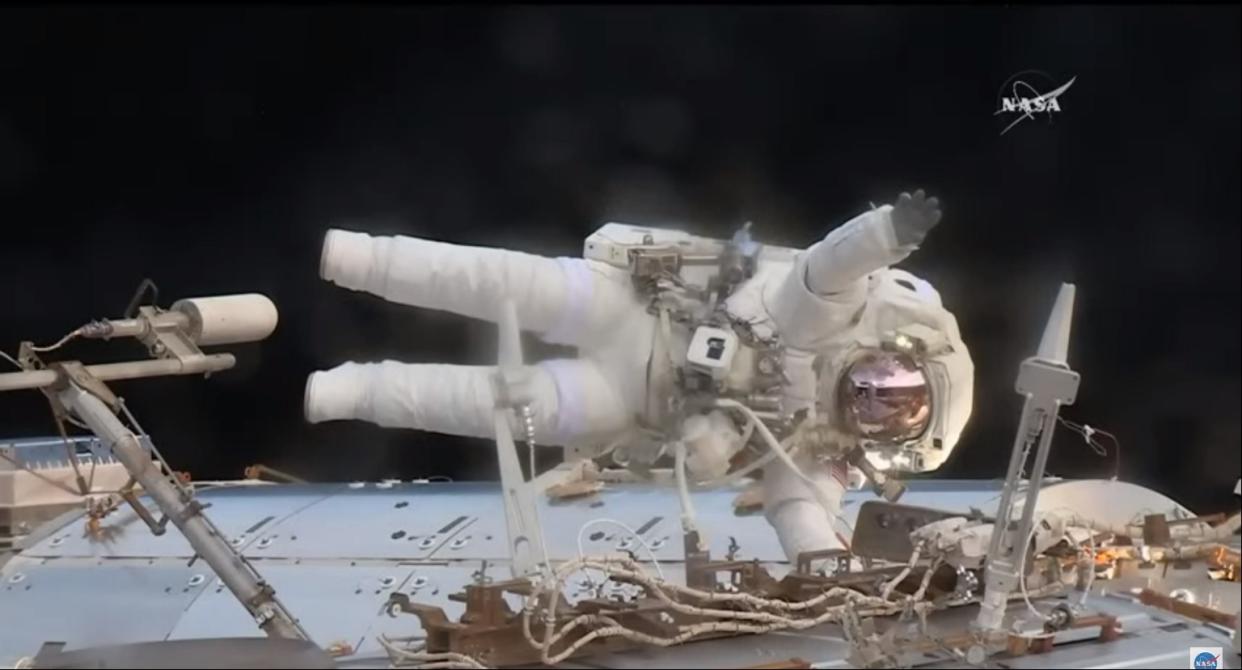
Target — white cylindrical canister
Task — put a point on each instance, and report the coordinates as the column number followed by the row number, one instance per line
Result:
column 229, row 319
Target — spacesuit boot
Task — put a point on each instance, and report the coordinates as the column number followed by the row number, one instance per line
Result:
column 797, row 508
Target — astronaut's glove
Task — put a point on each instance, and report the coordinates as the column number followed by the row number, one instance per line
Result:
column 913, row 216
column 513, row 386
column 710, row 441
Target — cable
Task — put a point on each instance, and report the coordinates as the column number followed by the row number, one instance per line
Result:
column 747, row 431
column 650, row 552
column 12, row 360
column 527, row 415
column 769, row 439
column 424, row 659
column 1086, row 590
column 914, row 558
column 1088, row 434
column 59, row 343
column 927, row 577
column 733, row 621
column 632, row 571
column 138, row 432
column 1021, row 563
column 72, row 453
column 789, row 445
column 1069, row 520
column 689, row 519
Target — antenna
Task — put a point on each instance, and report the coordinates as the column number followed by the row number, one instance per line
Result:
column 1054, row 345
column 1048, row 383
column 172, row 338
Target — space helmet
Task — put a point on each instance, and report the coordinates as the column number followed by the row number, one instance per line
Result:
column 884, row 396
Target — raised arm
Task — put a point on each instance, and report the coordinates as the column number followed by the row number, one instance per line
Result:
column 828, row 284
column 870, row 241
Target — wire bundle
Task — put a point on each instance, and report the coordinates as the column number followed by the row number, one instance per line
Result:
column 410, row 652
column 750, row 613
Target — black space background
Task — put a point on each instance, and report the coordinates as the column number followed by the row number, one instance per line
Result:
column 209, row 149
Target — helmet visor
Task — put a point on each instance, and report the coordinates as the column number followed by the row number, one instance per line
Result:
column 884, row 396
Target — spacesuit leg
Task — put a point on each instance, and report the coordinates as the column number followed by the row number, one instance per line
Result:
column 803, row 515
column 570, row 399
column 564, row 300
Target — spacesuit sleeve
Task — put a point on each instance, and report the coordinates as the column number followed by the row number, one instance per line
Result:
column 828, row 283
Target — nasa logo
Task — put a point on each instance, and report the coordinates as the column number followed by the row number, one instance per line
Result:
column 1205, row 658
column 1019, row 96
column 1028, row 105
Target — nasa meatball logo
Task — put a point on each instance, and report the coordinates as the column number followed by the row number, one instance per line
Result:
column 1205, row 658
column 1027, row 95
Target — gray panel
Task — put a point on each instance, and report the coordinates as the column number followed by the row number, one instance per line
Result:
column 953, row 500
column 646, row 510
column 651, row 511
column 336, row 602
column 345, row 562
column 91, row 602
column 333, row 601
column 755, row 536
column 483, row 535
column 233, row 509
column 404, row 521
column 428, row 585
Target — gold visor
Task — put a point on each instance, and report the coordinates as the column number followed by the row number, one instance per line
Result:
column 884, row 396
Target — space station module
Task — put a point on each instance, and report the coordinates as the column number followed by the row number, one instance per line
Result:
column 688, row 343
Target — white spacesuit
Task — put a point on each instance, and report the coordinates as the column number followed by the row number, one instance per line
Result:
column 687, row 341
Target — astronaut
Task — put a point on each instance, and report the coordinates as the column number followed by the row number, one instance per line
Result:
column 701, row 345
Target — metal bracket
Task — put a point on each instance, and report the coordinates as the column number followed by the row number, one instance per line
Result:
column 157, row 527
column 166, row 340
column 884, row 485
column 882, row 530
column 75, row 372
column 143, row 287
column 839, row 557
